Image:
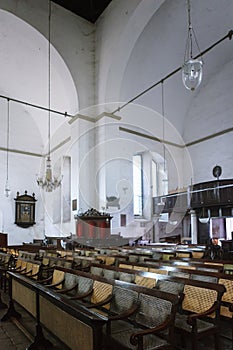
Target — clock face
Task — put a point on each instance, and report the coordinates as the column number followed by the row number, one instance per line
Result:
column 217, row 171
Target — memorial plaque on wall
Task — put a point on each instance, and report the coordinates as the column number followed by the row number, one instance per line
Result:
column 25, row 210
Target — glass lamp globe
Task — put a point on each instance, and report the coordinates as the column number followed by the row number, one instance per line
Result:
column 7, row 190
column 192, row 73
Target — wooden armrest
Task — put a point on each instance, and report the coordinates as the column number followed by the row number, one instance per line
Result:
column 191, row 319
column 4, row 265
column 86, row 268
column 26, row 273
column 35, row 274
column 101, row 303
column 45, row 280
column 125, row 313
column 47, row 267
column 230, row 307
column 55, row 284
column 134, row 338
column 18, row 269
column 65, row 290
column 81, row 296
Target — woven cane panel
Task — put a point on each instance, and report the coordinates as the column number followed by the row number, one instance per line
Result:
column 45, row 261
column 145, row 281
column 161, row 272
column 124, row 266
column 7, row 258
column 204, row 278
column 35, row 270
column 178, row 274
column 59, row 262
column 68, row 264
column 71, row 331
column 126, row 277
column 213, row 263
column 183, row 255
column 97, row 270
column 85, row 263
column 152, row 310
column 156, row 255
column 170, row 287
column 18, row 263
column 167, row 256
column 110, row 260
column 198, row 299
column 23, row 265
column 84, row 285
column 185, row 267
column 102, row 258
column 101, row 291
column 133, row 258
column 122, row 300
column 224, row 311
column 29, row 267
column 141, row 268
column 197, row 255
column 57, row 277
column 70, row 280
column 110, row 274
column 228, row 295
column 24, row 296
column 207, row 269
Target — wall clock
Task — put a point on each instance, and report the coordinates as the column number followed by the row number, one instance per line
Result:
column 217, row 171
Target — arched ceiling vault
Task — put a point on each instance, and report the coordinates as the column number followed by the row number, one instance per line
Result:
column 24, row 76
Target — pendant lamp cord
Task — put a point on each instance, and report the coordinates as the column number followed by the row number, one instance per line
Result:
column 49, row 77
column 191, row 34
column 162, row 107
column 8, row 136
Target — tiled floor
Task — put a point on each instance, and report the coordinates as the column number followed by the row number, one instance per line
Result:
column 11, row 337
column 15, row 337
column 19, row 335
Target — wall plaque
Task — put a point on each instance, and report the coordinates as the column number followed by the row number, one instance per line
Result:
column 25, row 210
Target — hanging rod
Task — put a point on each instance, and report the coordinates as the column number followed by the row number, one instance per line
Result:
column 229, row 35
column 65, row 114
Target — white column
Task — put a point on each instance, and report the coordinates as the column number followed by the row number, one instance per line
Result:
column 193, row 226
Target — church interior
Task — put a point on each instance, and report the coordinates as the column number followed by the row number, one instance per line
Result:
column 116, row 201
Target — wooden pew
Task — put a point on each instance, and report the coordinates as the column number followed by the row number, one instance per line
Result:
column 149, row 279
column 76, row 326
column 151, row 325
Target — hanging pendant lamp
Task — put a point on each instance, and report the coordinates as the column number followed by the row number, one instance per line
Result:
column 49, row 182
column 7, row 190
column 192, row 68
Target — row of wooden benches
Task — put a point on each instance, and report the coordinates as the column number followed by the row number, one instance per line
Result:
column 199, row 300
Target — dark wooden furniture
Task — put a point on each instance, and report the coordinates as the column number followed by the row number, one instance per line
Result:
column 93, row 225
column 3, row 240
column 25, row 210
column 62, row 317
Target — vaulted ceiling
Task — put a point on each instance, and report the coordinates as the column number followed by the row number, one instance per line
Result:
column 87, row 9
